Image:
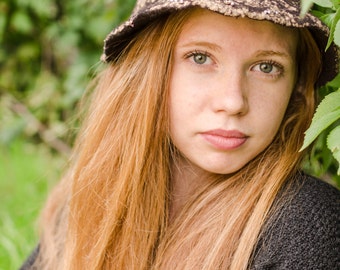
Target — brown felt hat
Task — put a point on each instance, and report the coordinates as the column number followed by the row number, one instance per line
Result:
column 283, row 12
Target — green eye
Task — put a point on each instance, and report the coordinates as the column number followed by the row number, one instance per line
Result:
column 200, row 58
column 266, row 67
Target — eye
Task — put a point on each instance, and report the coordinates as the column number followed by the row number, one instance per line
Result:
column 266, row 67
column 269, row 67
column 199, row 58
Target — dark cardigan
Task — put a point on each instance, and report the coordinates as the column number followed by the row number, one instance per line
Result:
column 303, row 235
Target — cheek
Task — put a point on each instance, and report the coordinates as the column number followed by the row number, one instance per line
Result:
column 187, row 99
column 269, row 110
column 280, row 105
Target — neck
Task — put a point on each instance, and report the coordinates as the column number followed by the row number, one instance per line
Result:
column 186, row 179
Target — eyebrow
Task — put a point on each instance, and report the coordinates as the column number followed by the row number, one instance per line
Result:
column 272, row 53
column 209, row 45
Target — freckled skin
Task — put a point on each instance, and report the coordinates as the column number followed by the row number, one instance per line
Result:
column 232, row 75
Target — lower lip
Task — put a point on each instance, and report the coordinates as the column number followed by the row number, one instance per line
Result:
column 224, row 143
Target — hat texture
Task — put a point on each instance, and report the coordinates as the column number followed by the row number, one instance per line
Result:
column 283, row 12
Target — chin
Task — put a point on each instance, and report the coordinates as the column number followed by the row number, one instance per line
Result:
column 223, row 170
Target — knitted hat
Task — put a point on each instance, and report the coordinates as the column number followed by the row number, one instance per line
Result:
column 283, row 12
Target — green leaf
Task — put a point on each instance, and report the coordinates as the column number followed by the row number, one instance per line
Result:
column 333, row 143
column 335, row 82
column 22, row 22
column 327, row 113
column 318, row 126
column 329, row 104
column 333, row 139
column 46, row 8
column 332, row 28
column 2, row 25
column 326, row 18
column 305, row 6
column 336, row 3
column 337, row 34
column 337, row 157
column 323, row 3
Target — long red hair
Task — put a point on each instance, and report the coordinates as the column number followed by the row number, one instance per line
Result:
column 111, row 209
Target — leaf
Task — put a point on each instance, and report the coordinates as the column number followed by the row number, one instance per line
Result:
column 332, row 28
column 333, row 143
column 335, row 82
column 305, row 6
column 22, row 22
column 333, row 139
column 327, row 113
column 318, row 126
column 324, row 3
column 337, row 157
column 326, row 18
column 337, row 34
column 336, row 3
column 330, row 103
column 2, row 26
column 46, row 8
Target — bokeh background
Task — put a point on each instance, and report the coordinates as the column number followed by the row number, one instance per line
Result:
column 49, row 51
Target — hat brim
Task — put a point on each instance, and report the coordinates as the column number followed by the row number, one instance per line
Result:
column 278, row 12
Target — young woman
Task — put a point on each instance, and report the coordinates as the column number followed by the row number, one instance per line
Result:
column 189, row 155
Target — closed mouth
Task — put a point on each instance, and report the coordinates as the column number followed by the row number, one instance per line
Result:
column 225, row 139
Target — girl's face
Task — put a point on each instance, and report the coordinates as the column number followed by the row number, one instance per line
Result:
column 231, row 83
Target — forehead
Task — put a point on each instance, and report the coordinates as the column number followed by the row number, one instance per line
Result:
column 207, row 25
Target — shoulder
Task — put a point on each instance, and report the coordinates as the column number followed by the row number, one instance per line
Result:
column 312, row 199
column 313, row 188
column 305, row 231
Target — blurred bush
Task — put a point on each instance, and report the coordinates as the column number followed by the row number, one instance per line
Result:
column 49, row 51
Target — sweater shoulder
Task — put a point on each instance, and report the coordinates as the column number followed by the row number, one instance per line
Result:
column 304, row 231
column 316, row 190
column 312, row 199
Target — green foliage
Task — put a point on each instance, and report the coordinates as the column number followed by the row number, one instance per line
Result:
column 49, row 51
column 26, row 173
column 326, row 114
column 327, row 117
column 333, row 143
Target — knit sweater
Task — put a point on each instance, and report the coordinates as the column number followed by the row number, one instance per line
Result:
column 303, row 235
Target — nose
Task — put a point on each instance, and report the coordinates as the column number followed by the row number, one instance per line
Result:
column 230, row 95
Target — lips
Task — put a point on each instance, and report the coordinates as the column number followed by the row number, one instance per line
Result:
column 225, row 139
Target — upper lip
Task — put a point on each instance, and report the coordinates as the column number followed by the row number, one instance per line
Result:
column 226, row 133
